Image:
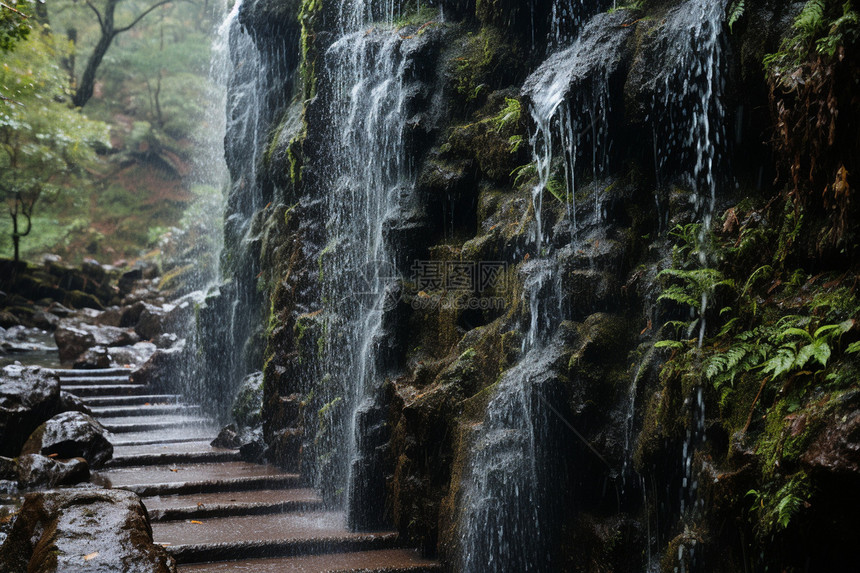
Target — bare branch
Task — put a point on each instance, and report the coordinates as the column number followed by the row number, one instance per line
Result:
column 141, row 17
column 97, row 13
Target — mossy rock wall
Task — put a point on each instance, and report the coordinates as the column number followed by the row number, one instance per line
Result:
column 636, row 408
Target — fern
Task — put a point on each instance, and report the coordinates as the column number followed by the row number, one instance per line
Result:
column 811, row 19
column 736, row 12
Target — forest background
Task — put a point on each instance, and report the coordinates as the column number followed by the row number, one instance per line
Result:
column 116, row 175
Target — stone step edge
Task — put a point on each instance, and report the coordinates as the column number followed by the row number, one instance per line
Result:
column 133, row 400
column 95, row 381
column 75, row 372
column 118, row 443
column 239, row 509
column 207, row 552
column 113, row 390
column 215, row 486
column 172, row 458
column 142, row 410
column 147, row 426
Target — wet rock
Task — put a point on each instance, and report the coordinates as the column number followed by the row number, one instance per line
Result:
column 161, row 369
column 71, row 435
column 8, row 469
column 130, row 315
column 228, row 437
column 60, row 310
column 8, row 319
column 249, row 401
column 28, row 397
column 45, row 320
column 72, row 341
column 600, row 51
column 80, row 299
column 131, row 355
column 55, row 529
column 94, row 270
column 836, row 450
column 110, row 317
column 285, row 447
column 71, row 403
column 150, row 322
column 36, row 470
column 166, row 340
column 128, row 281
column 95, row 357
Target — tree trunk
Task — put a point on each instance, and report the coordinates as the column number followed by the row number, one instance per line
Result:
column 88, row 80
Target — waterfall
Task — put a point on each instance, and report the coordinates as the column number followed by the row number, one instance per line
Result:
column 508, row 489
column 367, row 178
column 692, row 109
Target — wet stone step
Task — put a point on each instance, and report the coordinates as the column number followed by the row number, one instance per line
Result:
column 273, row 535
column 228, row 504
column 95, row 372
column 212, row 456
column 94, row 381
column 164, row 436
column 182, row 447
column 124, row 424
column 381, row 561
column 106, row 390
column 196, row 478
column 145, row 409
column 101, row 401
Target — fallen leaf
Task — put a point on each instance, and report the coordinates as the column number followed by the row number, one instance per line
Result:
column 91, row 556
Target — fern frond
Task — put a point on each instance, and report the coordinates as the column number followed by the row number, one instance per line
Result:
column 736, row 12
column 811, row 18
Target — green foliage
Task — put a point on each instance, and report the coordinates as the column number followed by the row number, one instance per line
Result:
column 736, row 12
column 509, row 116
column 14, row 23
column 775, row 509
column 45, row 147
column 821, row 28
column 692, row 288
column 787, row 347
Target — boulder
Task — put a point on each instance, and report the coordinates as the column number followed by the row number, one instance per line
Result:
column 160, row 371
column 56, row 529
column 72, row 341
column 8, row 319
column 95, row 357
column 110, row 317
column 71, row 403
column 60, row 310
column 131, row 355
column 249, row 401
column 36, row 470
column 150, row 322
column 130, row 315
column 28, row 397
column 8, row 469
column 71, row 435
column 45, row 320
column 75, row 339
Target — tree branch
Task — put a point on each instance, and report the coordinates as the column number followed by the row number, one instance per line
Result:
column 141, row 17
column 98, row 14
column 4, row 5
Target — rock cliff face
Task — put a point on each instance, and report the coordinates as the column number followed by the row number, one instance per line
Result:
column 556, row 284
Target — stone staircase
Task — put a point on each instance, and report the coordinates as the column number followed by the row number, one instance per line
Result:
column 212, row 511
